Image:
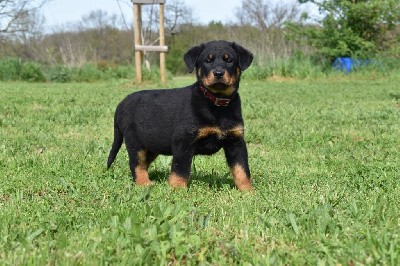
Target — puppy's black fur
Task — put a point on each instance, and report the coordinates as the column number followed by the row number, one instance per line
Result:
column 198, row 119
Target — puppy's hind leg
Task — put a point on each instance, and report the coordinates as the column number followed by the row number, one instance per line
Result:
column 139, row 161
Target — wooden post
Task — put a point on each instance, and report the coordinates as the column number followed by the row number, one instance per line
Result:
column 138, row 40
column 162, row 43
column 139, row 47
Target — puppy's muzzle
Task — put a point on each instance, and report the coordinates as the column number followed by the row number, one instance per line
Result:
column 218, row 73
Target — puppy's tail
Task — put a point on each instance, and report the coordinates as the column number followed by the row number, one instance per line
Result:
column 118, row 139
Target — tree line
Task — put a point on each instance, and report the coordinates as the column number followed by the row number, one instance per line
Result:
column 272, row 31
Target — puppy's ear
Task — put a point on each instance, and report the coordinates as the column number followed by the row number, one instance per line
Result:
column 245, row 56
column 192, row 55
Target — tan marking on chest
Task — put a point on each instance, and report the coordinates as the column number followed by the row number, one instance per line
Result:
column 207, row 131
column 204, row 132
column 237, row 131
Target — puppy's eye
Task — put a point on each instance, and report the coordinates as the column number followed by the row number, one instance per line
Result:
column 209, row 59
column 227, row 58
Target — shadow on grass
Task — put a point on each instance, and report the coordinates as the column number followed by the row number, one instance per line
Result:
column 213, row 180
column 210, row 180
column 395, row 96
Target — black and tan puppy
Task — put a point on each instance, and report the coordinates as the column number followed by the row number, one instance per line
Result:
column 198, row 119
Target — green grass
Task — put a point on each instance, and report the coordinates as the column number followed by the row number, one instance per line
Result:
column 324, row 156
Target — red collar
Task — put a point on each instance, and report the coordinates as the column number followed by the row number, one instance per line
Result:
column 215, row 100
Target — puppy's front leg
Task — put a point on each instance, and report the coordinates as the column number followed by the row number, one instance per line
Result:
column 237, row 158
column 181, row 165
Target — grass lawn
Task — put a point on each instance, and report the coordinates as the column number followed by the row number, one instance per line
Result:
column 325, row 161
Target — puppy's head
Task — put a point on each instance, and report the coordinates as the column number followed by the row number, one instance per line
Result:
column 219, row 65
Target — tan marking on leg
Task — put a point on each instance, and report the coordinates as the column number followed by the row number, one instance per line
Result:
column 242, row 181
column 142, row 176
column 142, row 157
column 237, row 131
column 206, row 131
column 177, row 181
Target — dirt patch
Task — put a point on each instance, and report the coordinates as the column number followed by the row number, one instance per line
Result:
column 281, row 78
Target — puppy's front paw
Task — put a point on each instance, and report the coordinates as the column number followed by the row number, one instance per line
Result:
column 143, row 183
column 176, row 181
column 241, row 179
column 245, row 186
column 142, row 177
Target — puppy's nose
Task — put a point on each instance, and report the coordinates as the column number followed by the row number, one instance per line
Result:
column 219, row 73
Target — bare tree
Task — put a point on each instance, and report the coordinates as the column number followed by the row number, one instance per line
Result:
column 31, row 32
column 14, row 14
column 267, row 14
column 96, row 38
column 99, row 19
column 177, row 13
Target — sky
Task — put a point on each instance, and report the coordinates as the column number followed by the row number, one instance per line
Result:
column 59, row 12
